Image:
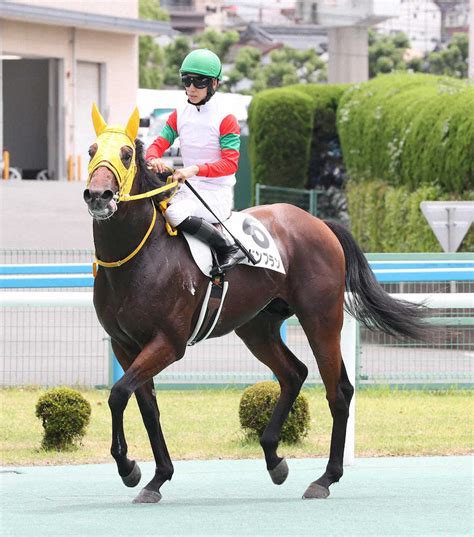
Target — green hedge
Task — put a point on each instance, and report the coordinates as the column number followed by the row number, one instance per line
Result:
column 388, row 219
column 280, row 126
column 410, row 130
column 286, row 126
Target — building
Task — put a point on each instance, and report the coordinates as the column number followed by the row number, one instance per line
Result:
column 54, row 63
column 420, row 20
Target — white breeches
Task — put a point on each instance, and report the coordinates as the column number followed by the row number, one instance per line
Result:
column 185, row 204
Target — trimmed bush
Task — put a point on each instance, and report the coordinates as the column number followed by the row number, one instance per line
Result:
column 410, row 130
column 288, row 130
column 65, row 414
column 257, row 404
column 388, row 219
column 280, row 127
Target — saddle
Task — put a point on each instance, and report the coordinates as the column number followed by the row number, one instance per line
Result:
column 256, row 238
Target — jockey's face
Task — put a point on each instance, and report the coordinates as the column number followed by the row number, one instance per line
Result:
column 196, row 95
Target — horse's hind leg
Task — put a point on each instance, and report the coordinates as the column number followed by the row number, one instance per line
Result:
column 262, row 337
column 324, row 338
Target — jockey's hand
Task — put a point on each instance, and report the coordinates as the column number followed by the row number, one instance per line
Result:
column 185, row 173
column 157, row 165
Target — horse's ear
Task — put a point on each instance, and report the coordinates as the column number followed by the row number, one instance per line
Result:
column 133, row 123
column 99, row 123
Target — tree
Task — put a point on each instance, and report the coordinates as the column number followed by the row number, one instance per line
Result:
column 246, row 65
column 452, row 60
column 218, row 42
column 151, row 56
column 175, row 53
column 386, row 52
column 287, row 66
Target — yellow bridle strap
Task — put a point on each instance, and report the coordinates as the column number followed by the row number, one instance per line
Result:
column 114, row 264
column 149, row 194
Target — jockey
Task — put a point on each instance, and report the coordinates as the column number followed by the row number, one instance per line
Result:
column 210, row 142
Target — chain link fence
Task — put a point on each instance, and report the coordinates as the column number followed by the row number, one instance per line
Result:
column 50, row 346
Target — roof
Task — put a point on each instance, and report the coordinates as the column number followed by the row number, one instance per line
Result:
column 80, row 19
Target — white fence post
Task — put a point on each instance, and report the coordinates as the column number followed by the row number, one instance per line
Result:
column 349, row 352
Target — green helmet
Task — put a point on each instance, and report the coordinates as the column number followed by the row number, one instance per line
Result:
column 202, row 61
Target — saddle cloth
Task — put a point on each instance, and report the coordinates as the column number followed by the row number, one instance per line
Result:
column 251, row 233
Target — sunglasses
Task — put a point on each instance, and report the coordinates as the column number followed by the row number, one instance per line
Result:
column 199, row 82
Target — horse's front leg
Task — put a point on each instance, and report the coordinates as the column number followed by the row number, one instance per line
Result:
column 157, row 355
column 164, row 467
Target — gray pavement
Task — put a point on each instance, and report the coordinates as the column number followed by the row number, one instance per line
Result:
column 44, row 214
column 420, row 497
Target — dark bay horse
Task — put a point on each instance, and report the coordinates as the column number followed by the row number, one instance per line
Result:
column 144, row 302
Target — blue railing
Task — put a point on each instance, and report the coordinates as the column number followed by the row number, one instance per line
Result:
column 47, row 276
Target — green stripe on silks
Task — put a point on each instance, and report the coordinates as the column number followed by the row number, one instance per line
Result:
column 230, row 141
column 169, row 134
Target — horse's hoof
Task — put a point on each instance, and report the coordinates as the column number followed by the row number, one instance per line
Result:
column 147, row 496
column 133, row 478
column 315, row 491
column 279, row 473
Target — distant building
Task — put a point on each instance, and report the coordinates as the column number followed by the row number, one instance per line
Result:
column 428, row 23
column 54, row 63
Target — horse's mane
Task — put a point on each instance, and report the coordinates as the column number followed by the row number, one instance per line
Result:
column 148, row 179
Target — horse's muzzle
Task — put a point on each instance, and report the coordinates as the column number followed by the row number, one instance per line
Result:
column 101, row 204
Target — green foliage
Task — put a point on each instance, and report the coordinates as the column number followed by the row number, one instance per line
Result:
column 410, row 130
column 218, row 42
column 175, row 53
column 325, row 103
column 386, row 52
column 246, row 65
column 65, row 414
column 151, row 55
column 282, row 140
column 256, row 407
column 280, row 125
column 388, row 219
column 287, row 66
column 150, row 10
column 452, row 60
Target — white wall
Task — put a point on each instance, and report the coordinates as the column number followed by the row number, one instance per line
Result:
column 117, row 53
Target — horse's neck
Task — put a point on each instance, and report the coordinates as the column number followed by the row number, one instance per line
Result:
column 118, row 237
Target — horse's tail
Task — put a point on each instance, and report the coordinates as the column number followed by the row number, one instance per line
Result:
column 367, row 301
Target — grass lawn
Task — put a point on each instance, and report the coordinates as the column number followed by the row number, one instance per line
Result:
column 204, row 424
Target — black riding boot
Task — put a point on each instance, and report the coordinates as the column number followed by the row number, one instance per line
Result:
column 227, row 252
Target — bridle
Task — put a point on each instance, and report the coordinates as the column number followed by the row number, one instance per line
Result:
column 109, row 141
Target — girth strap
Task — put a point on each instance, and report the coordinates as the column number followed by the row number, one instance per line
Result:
column 210, row 310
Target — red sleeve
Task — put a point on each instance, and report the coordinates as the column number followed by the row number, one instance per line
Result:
column 165, row 139
column 229, row 132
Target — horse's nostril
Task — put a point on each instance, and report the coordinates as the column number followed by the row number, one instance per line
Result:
column 87, row 195
column 107, row 195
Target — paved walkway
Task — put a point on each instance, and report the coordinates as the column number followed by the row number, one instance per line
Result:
column 376, row 497
column 44, row 214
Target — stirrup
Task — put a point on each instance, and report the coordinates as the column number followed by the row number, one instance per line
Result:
column 232, row 259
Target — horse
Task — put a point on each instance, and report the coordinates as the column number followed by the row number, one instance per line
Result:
column 148, row 299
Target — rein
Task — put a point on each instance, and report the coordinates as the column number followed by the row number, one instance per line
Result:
column 149, row 194
column 128, row 197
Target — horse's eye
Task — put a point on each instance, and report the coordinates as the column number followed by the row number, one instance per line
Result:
column 92, row 150
column 127, row 157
